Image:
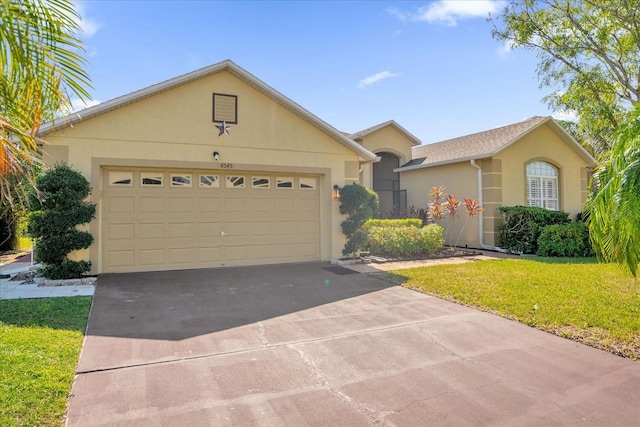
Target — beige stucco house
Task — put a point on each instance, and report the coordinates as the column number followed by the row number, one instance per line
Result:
column 533, row 162
column 215, row 168
column 212, row 168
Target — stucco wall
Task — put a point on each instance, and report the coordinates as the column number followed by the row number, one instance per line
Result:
column 543, row 144
column 503, row 181
column 175, row 129
column 459, row 179
column 387, row 140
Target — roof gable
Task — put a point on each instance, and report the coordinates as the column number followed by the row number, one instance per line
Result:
column 368, row 131
column 228, row 66
column 487, row 144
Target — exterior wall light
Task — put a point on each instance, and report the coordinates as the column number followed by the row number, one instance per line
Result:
column 336, row 192
column 216, row 155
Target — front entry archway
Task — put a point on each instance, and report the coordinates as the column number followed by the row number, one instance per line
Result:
column 386, row 183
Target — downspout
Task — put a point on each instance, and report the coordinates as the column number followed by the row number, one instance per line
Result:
column 481, row 215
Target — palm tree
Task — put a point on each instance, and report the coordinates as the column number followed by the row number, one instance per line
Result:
column 613, row 209
column 42, row 63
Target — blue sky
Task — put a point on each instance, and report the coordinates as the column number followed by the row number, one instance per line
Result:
column 431, row 66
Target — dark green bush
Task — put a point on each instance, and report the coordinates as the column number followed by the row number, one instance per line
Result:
column 59, row 207
column 565, row 240
column 360, row 204
column 521, row 226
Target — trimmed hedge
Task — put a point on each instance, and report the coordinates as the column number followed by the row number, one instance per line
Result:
column 393, row 223
column 565, row 240
column 432, row 237
column 521, row 227
column 403, row 241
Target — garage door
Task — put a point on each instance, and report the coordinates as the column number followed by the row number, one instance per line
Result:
column 175, row 219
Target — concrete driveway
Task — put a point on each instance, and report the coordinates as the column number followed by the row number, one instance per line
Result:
column 310, row 344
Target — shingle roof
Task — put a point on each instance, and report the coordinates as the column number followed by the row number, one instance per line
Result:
column 479, row 145
column 392, row 123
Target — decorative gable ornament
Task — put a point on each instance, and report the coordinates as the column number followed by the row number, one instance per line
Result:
column 223, row 129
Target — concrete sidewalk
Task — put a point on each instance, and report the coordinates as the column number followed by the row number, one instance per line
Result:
column 15, row 289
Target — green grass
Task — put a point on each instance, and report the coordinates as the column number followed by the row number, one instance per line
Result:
column 40, row 342
column 597, row 304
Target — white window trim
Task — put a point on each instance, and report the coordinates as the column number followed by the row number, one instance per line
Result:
column 546, row 198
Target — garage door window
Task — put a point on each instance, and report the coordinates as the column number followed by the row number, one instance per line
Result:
column 260, row 182
column 234, row 181
column 180, row 180
column 120, row 179
column 151, row 179
column 307, row 183
column 284, row 182
column 209, row 181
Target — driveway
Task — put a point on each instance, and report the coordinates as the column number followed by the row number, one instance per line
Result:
column 311, row 344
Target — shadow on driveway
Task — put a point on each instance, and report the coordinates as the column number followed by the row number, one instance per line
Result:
column 175, row 305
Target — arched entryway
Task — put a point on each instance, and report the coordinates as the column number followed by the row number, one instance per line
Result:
column 386, row 183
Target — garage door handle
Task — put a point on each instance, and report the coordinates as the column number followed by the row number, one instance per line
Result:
column 222, row 233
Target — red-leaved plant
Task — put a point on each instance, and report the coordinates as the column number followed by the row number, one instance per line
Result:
column 437, row 208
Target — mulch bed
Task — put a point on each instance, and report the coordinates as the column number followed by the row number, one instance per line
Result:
column 441, row 253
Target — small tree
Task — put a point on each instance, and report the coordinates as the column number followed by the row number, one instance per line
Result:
column 57, row 209
column 360, row 204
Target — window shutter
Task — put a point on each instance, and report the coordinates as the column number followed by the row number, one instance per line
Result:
column 533, row 191
column 542, row 185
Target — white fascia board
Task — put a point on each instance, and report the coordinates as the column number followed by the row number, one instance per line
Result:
column 444, row 162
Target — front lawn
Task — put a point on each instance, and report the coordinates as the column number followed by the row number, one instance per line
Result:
column 40, row 341
column 597, row 304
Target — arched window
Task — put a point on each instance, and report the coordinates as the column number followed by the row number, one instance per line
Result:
column 542, row 185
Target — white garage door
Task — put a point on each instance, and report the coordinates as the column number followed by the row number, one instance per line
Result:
column 175, row 219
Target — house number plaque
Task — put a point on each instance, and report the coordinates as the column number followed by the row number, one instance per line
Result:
column 226, row 165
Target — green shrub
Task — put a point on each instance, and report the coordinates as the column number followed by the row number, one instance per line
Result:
column 432, row 236
column 565, row 240
column 360, row 204
column 404, row 241
column 393, row 223
column 521, row 226
column 60, row 208
column 396, row 242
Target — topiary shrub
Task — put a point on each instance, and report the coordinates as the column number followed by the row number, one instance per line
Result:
column 565, row 240
column 59, row 207
column 359, row 204
column 521, row 226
